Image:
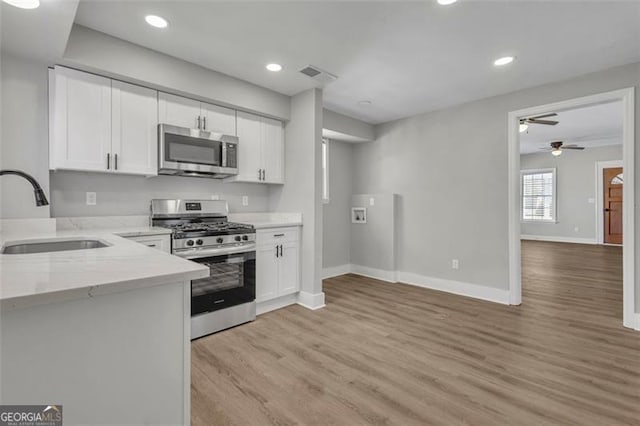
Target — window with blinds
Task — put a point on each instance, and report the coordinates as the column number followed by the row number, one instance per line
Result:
column 538, row 195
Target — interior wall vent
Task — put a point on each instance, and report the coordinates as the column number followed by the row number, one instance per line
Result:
column 318, row 74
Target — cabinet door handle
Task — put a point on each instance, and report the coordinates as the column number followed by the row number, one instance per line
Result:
column 280, row 250
column 151, row 245
column 259, row 174
column 278, row 235
column 277, row 251
column 115, row 161
column 263, row 173
column 108, row 161
column 204, row 123
column 198, row 120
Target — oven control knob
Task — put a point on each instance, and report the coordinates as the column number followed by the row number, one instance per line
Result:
column 237, row 238
column 199, row 242
column 245, row 238
column 190, row 243
column 220, row 240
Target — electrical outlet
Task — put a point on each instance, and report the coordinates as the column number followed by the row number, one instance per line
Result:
column 591, row 200
column 91, row 198
column 372, row 201
column 215, row 197
column 455, row 264
column 245, row 200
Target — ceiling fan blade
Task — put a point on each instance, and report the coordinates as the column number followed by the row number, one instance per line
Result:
column 546, row 149
column 572, row 147
column 552, row 114
column 547, row 122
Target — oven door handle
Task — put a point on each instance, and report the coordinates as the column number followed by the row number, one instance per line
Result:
column 196, row 253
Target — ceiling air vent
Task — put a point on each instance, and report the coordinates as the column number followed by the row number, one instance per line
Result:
column 318, row 74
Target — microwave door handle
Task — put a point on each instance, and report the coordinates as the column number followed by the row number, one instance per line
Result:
column 223, row 161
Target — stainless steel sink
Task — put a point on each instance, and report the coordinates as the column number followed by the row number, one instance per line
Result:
column 51, row 246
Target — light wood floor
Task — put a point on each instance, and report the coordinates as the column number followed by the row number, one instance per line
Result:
column 396, row 354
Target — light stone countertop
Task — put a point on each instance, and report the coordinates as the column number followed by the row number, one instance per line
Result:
column 39, row 278
column 267, row 220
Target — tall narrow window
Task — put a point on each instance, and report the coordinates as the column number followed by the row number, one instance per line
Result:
column 325, row 170
column 538, row 189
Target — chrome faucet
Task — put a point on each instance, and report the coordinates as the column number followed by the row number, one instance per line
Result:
column 41, row 199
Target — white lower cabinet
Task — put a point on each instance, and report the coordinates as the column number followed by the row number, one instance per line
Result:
column 160, row 242
column 277, row 263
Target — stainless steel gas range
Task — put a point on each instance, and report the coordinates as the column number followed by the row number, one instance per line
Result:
column 202, row 233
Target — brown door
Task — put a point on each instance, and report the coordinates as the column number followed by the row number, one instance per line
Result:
column 613, row 205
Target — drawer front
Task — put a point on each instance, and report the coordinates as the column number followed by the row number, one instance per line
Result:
column 160, row 242
column 277, row 236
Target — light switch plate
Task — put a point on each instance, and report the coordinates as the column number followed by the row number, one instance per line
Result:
column 215, row 197
column 591, row 200
column 245, row 200
column 91, row 198
column 372, row 201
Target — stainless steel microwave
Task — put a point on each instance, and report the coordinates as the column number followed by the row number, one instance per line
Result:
column 193, row 152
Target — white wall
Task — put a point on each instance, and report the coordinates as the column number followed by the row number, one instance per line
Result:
column 130, row 195
column 303, row 189
column 373, row 244
column 349, row 126
column 24, row 143
column 336, row 213
column 575, row 185
column 450, row 169
column 98, row 52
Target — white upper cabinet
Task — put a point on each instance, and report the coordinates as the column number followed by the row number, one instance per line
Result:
column 273, row 151
column 134, row 124
column 260, row 149
column 249, row 146
column 218, row 119
column 102, row 125
column 179, row 111
column 185, row 112
column 80, row 120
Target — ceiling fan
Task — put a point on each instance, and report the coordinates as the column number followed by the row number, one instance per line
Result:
column 524, row 122
column 557, row 147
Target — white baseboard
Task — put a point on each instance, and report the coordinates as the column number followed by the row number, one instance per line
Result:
column 558, row 239
column 379, row 274
column 272, row 305
column 310, row 300
column 335, row 271
column 456, row 287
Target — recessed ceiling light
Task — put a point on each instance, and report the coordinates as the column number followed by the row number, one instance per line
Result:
column 274, row 67
column 505, row 60
column 23, row 4
column 365, row 103
column 446, row 2
column 156, row 21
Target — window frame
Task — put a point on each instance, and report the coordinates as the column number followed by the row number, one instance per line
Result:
column 324, row 153
column 554, row 196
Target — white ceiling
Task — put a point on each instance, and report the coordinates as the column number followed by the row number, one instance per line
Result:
column 592, row 126
column 406, row 57
column 40, row 33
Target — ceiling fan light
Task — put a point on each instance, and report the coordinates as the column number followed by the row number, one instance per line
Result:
column 556, row 152
column 523, row 127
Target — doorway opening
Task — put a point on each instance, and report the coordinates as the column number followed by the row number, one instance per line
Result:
column 536, row 212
